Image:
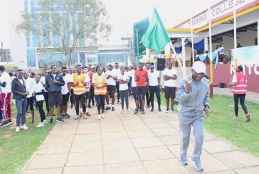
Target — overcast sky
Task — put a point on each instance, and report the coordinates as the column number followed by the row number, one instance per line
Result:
column 124, row 13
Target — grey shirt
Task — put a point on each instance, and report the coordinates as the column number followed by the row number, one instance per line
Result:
column 193, row 104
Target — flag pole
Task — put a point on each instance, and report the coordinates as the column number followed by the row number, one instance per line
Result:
column 183, row 57
column 172, row 46
column 211, row 67
column 192, row 41
column 235, row 35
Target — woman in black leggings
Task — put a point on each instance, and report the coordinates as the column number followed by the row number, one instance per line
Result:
column 123, row 79
column 239, row 86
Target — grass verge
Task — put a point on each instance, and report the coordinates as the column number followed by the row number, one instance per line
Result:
column 17, row 148
column 237, row 132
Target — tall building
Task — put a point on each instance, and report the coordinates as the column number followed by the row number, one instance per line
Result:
column 38, row 57
column 139, row 30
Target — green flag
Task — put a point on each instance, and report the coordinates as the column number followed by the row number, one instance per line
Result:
column 156, row 37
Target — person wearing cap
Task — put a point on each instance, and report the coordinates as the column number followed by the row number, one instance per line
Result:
column 111, row 86
column 239, row 87
column 117, row 71
column 170, row 76
column 154, row 87
column 91, row 97
column 193, row 99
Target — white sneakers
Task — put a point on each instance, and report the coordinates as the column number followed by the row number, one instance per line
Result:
column 24, row 127
column 99, row 117
column 45, row 121
column 17, row 129
column 41, row 124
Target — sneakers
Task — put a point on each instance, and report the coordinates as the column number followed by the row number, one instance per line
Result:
column 113, row 109
column 235, row 117
column 81, row 114
column 167, row 110
column 67, row 116
column 51, row 121
column 85, row 117
column 77, row 117
column 247, row 117
column 127, row 112
column 99, row 117
column 45, row 121
column 63, row 116
column 172, row 111
column 59, row 120
column 159, row 109
column 136, row 111
column 183, row 160
column 6, row 123
column 103, row 116
column 118, row 102
column 122, row 111
column 152, row 109
column 197, row 165
column 24, row 127
column 107, row 108
column 88, row 114
column 41, row 124
column 143, row 112
column 148, row 106
column 17, row 129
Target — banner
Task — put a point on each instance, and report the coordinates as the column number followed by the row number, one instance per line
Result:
column 246, row 55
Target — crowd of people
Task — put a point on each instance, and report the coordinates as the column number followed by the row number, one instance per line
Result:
column 88, row 87
column 85, row 88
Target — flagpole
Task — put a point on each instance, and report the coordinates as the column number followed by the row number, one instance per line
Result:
column 235, row 35
column 211, row 67
column 183, row 58
column 192, row 41
column 179, row 63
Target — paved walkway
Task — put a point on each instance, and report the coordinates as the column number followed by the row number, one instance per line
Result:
column 130, row 144
column 250, row 96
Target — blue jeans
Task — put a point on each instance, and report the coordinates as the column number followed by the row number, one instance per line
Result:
column 21, row 109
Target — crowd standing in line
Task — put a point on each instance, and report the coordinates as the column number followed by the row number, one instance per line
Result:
column 89, row 87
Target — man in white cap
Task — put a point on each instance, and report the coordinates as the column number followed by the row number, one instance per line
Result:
column 193, row 99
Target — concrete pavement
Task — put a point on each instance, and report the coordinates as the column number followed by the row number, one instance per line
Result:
column 130, row 144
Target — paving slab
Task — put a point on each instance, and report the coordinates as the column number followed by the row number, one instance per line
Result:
column 131, row 144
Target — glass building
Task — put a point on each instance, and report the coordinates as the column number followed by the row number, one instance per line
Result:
column 37, row 58
column 139, row 30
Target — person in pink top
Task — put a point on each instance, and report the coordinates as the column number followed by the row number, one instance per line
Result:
column 239, row 87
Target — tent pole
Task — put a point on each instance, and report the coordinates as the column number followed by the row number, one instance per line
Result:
column 192, row 41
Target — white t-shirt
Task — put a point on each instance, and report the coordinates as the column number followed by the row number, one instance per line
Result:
column 38, row 87
column 125, row 85
column 5, row 77
column 133, row 82
column 111, row 81
column 87, row 87
column 117, row 72
column 171, row 82
column 64, row 89
column 30, row 85
column 152, row 78
column 42, row 80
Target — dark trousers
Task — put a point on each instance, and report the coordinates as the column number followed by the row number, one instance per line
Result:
column 42, row 113
column 91, row 97
column 80, row 98
column 242, row 103
column 148, row 99
column 154, row 90
column 100, row 99
column 46, row 98
column 124, row 96
column 72, row 98
column 21, row 109
column 118, row 90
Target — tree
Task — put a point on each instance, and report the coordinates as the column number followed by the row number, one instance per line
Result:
column 66, row 25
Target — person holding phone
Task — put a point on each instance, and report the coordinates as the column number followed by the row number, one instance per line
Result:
column 193, row 99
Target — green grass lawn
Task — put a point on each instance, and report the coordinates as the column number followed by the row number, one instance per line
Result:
column 238, row 132
column 17, row 148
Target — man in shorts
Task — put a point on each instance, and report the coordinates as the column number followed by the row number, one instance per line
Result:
column 54, row 81
column 65, row 90
column 170, row 76
column 111, row 86
column 141, row 78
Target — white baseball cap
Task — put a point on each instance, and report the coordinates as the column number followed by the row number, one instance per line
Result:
column 199, row 67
